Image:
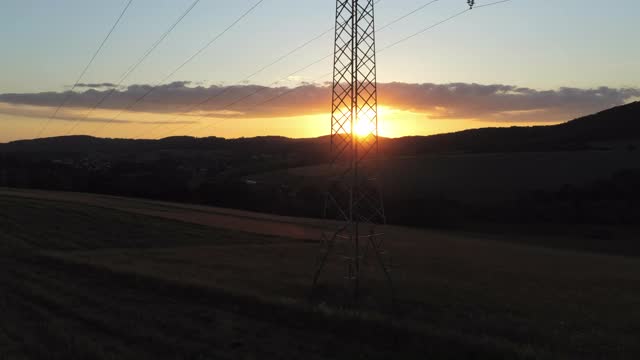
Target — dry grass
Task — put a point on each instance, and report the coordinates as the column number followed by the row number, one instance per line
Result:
column 119, row 284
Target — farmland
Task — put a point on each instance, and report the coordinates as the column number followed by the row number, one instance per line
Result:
column 86, row 276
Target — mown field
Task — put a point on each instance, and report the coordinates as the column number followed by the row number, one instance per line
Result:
column 91, row 277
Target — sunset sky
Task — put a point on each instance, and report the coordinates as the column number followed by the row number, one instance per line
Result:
column 521, row 62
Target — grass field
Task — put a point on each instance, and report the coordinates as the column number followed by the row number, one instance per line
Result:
column 84, row 276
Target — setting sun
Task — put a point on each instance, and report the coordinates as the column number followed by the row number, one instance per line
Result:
column 366, row 122
column 363, row 127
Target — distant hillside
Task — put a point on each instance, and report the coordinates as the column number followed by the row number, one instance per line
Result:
column 89, row 144
column 518, row 174
column 619, row 123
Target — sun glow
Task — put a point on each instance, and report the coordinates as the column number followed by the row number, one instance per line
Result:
column 363, row 127
column 366, row 123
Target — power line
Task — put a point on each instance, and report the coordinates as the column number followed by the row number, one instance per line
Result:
column 266, row 87
column 288, row 54
column 380, row 51
column 193, row 56
column 386, row 48
column 406, row 15
column 264, row 102
column 424, row 30
column 322, row 76
column 84, row 71
column 260, row 70
column 218, row 94
column 135, row 65
column 412, row 12
column 260, row 90
column 437, row 24
column 379, row 30
column 291, row 52
column 491, row 4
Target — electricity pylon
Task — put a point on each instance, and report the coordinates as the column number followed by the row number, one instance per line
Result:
column 353, row 198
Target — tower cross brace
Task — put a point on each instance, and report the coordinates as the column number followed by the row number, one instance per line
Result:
column 353, row 199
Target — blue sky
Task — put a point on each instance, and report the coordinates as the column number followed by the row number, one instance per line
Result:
column 541, row 45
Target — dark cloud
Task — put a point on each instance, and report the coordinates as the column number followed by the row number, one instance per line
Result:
column 502, row 102
column 496, row 103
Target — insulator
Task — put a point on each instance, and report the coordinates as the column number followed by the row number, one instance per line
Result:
column 471, row 3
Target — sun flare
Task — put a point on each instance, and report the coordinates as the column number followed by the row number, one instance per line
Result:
column 366, row 123
column 363, row 127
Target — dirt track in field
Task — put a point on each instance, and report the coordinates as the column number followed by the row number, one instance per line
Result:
column 277, row 225
column 246, row 221
column 298, row 228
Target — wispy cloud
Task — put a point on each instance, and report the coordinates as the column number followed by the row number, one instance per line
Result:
column 76, row 114
column 96, row 85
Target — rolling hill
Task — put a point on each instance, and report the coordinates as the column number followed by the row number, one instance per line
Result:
column 616, row 124
column 583, row 171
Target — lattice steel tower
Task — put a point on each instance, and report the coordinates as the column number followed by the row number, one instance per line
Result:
column 353, row 198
